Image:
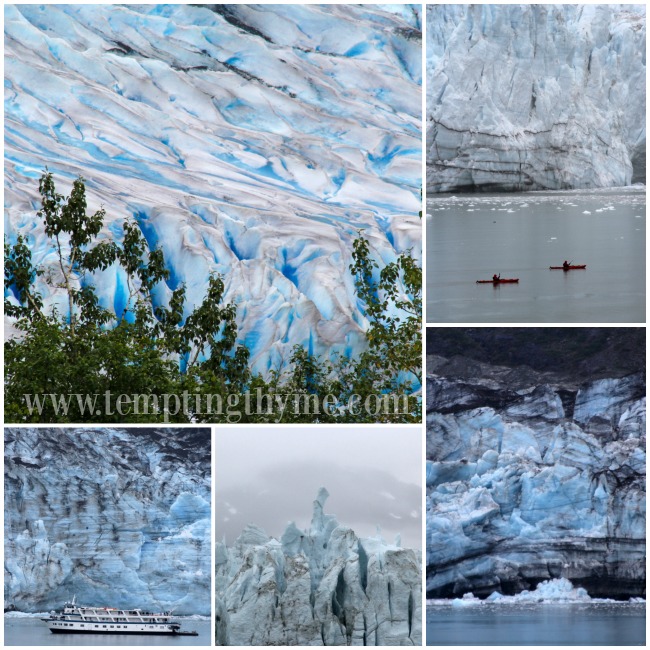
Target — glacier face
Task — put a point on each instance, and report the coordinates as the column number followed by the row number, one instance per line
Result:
column 252, row 141
column 529, row 97
column 533, row 476
column 119, row 517
column 322, row 586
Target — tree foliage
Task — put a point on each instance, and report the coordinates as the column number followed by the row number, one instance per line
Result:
column 154, row 350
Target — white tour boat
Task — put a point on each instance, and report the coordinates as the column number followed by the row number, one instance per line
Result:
column 83, row 619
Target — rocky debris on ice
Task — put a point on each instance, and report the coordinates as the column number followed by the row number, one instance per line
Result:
column 546, row 482
column 322, row 586
column 116, row 516
column 530, row 97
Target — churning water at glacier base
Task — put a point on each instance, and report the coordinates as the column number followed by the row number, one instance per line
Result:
column 23, row 629
column 617, row 624
column 472, row 236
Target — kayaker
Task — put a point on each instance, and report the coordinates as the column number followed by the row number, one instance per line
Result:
column 565, row 265
column 496, row 278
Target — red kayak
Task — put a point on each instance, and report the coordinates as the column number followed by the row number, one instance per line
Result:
column 571, row 267
column 499, row 281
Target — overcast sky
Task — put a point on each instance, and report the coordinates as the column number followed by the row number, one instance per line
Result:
column 270, row 476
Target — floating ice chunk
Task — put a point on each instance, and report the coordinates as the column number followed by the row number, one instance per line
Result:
column 495, row 596
column 467, row 600
column 559, row 589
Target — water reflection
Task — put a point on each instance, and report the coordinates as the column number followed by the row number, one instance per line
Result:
column 537, row 624
column 471, row 237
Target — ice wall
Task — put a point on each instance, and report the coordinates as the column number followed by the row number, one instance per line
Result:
column 121, row 518
column 322, row 586
column 533, row 477
column 529, row 97
column 251, row 141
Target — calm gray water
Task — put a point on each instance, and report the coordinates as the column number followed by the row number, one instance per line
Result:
column 537, row 624
column 25, row 630
column 471, row 237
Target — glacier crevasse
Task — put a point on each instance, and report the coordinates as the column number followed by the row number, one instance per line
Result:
column 533, row 97
column 322, row 586
column 250, row 141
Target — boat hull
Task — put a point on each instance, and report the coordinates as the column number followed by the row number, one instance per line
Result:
column 502, row 281
column 120, row 632
column 575, row 267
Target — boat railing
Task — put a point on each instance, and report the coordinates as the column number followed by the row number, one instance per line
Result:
column 111, row 615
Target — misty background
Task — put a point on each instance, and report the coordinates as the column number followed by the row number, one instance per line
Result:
column 271, row 476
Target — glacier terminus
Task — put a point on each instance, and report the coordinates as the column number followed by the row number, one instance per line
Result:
column 535, row 97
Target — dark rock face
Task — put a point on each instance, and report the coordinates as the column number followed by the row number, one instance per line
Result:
column 534, row 475
column 571, row 353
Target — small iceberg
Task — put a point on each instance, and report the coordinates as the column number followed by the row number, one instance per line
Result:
column 557, row 590
column 467, row 599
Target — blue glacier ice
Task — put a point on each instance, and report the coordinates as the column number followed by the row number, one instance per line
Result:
column 252, row 141
column 531, row 97
column 534, row 477
column 321, row 586
column 121, row 518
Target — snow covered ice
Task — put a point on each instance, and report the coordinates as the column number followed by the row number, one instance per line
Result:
column 254, row 141
column 322, row 586
column 121, row 518
column 529, row 97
